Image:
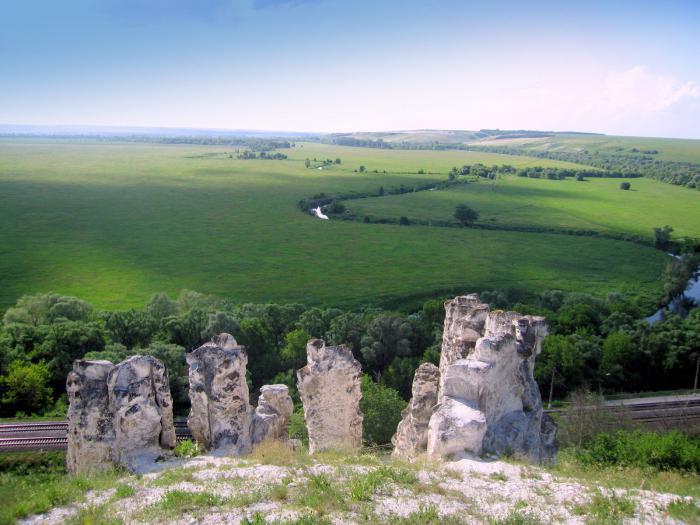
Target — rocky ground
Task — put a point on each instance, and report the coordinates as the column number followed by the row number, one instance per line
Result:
column 275, row 486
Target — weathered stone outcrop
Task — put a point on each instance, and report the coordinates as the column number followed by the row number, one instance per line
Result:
column 329, row 386
column 272, row 414
column 489, row 401
column 464, row 325
column 90, row 429
column 142, row 408
column 411, row 435
column 220, row 413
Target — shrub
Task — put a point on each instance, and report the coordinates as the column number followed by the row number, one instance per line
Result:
column 465, row 215
column 381, row 407
column 186, row 449
column 671, row 451
column 625, row 185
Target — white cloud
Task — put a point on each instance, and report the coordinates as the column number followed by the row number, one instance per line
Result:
column 640, row 91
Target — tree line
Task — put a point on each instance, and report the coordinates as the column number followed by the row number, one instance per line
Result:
column 641, row 164
column 604, row 344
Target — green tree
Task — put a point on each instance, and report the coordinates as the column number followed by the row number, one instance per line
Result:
column 130, row 328
column 387, row 336
column 25, row 388
column 65, row 342
column 293, row 352
column 362, row 169
column 465, row 215
column 160, row 306
column 220, row 322
column 381, row 407
column 348, row 329
column 307, row 163
column 662, row 237
column 625, row 185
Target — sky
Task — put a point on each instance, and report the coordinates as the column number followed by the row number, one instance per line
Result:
column 620, row 67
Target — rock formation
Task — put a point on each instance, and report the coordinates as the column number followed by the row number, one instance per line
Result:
column 464, row 324
column 220, row 413
column 489, row 401
column 329, row 386
column 412, row 433
column 90, row 429
column 272, row 414
column 142, row 408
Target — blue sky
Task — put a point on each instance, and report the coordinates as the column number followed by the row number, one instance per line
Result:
column 618, row 67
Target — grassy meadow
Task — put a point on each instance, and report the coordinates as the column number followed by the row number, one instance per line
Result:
column 113, row 223
column 594, row 204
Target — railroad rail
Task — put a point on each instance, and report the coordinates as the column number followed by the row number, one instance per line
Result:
column 52, row 435
column 673, row 412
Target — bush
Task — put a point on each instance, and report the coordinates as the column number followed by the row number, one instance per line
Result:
column 381, row 407
column 465, row 215
column 625, row 185
column 671, row 451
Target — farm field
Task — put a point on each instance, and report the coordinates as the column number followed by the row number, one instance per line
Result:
column 593, row 204
column 113, row 223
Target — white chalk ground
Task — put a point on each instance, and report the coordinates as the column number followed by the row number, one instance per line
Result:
column 320, row 214
column 467, row 490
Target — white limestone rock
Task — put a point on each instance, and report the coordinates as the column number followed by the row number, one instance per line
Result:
column 411, row 436
column 329, row 386
column 464, row 325
column 271, row 418
column 90, row 429
column 220, row 413
column 489, row 402
column 455, row 428
column 142, row 408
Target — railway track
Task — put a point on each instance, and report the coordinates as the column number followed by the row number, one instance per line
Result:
column 52, row 435
column 672, row 413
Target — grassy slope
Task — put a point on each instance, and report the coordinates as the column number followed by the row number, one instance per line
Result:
column 682, row 150
column 596, row 204
column 114, row 223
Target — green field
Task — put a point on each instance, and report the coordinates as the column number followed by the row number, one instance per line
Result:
column 115, row 222
column 511, row 201
column 680, row 150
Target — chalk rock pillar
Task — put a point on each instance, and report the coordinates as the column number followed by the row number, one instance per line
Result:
column 489, row 401
column 464, row 325
column 220, row 413
column 142, row 407
column 329, row 386
column 411, row 436
column 271, row 418
column 90, row 430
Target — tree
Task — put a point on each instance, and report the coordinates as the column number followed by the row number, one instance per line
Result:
column 161, row 306
column 347, row 329
column 337, row 160
column 381, row 407
column 662, row 237
column 307, row 163
column 387, row 336
column 293, row 352
column 220, row 322
column 130, row 328
column 362, row 169
column 403, row 221
column 465, row 215
column 25, row 388
column 625, row 185
column 64, row 343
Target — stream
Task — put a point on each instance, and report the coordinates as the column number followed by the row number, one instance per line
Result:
column 692, row 291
